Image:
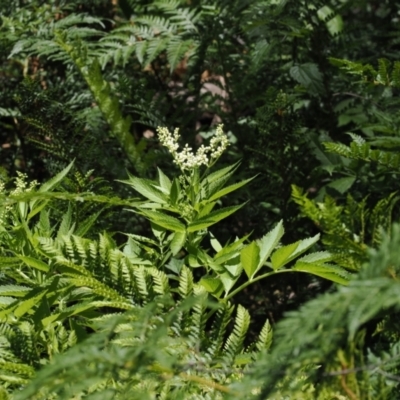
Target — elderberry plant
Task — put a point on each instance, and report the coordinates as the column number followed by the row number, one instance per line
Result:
column 181, row 211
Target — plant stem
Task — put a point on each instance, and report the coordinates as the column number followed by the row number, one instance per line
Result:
column 249, row 282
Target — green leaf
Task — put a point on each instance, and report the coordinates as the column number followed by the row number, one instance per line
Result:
column 47, row 186
column 50, row 184
column 215, row 181
column 13, row 290
column 146, row 188
column 177, row 242
column 175, row 192
column 34, row 263
column 288, row 253
column 212, row 285
column 309, row 76
column 165, row 182
column 205, row 210
column 164, row 220
column 282, row 255
column 214, row 243
column 320, row 256
column 269, row 242
column 212, row 218
column 250, row 258
column 229, row 189
column 330, row 272
column 342, row 184
column 32, row 300
column 222, row 172
column 228, row 281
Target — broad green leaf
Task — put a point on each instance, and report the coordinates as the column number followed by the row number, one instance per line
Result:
column 175, row 192
column 164, row 220
column 177, row 242
column 212, row 218
column 47, row 186
column 229, row 189
column 87, row 223
column 288, row 253
column 234, row 269
column 269, row 242
column 230, row 250
column 50, row 184
column 205, row 210
column 37, row 209
column 309, row 76
column 35, row 263
column 250, row 258
column 222, row 172
column 212, row 285
column 282, row 256
column 175, row 265
column 165, row 182
column 330, row 272
column 304, row 245
column 146, row 188
column 214, row 243
column 30, row 301
column 228, row 281
column 342, row 184
column 320, row 256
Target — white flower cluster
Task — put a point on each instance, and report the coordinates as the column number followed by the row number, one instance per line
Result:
column 186, row 159
column 21, row 186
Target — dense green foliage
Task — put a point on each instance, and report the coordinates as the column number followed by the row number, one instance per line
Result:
column 125, row 274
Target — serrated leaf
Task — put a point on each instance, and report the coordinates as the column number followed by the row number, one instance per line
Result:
column 320, row 256
column 25, row 305
column 14, row 290
column 265, row 338
column 269, row 242
column 50, row 184
column 250, row 258
column 330, row 272
column 222, row 172
column 164, row 181
column 212, row 218
column 282, row 256
column 164, row 220
column 177, row 242
column 228, row 281
column 229, row 189
column 34, row 263
column 146, row 188
column 176, row 50
column 304, row 245
column 215, row 181
column 212, row 285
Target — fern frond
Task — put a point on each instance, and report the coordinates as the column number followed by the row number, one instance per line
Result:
column 358, row 151
column 234, row 344
column 218, row 330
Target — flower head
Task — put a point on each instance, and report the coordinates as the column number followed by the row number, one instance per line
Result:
column 186, row 159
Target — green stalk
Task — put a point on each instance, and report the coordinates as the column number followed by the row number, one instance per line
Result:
column 107, row 102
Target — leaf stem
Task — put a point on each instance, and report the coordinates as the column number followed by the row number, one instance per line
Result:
column 249, row 282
